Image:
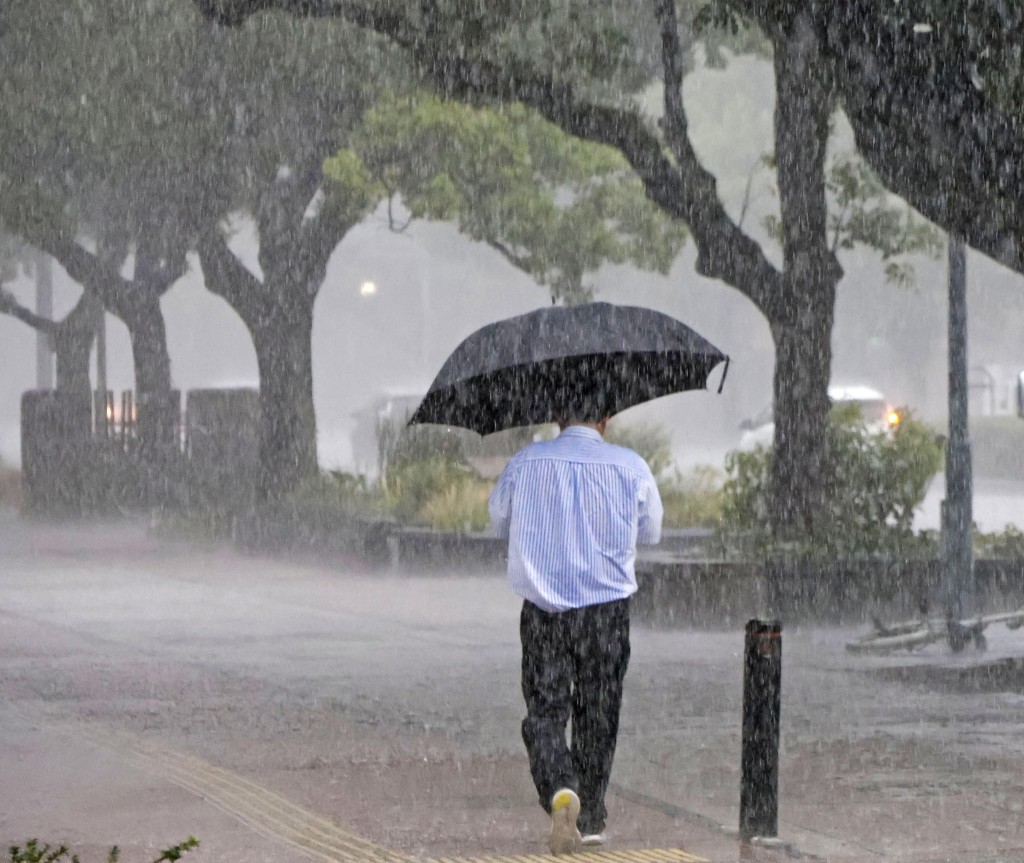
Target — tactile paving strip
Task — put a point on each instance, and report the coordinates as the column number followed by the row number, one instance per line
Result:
column 274, row 816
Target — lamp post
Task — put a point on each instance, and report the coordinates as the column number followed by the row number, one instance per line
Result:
column 44, row 308
column 957, row 555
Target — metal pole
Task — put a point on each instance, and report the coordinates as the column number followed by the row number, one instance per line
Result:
column 762, row 691
column 103, row 417
column 424, row 308
column 957, row 554
column 101, row 353
column 44, row 308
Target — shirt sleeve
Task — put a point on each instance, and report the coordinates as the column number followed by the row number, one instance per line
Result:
column 499, row 505
column 651, row 513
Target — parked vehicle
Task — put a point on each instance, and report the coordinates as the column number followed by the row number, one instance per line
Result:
column 875, row 409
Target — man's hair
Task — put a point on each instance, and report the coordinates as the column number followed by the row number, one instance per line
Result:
column 583, row 407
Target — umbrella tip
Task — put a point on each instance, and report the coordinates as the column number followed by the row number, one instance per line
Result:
column 725, row 371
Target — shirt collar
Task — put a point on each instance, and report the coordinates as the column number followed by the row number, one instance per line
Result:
column 581, row 431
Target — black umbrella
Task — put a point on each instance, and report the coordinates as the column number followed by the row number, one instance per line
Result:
column 600, row 357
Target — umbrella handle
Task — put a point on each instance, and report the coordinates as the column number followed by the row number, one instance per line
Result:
column 725, row 371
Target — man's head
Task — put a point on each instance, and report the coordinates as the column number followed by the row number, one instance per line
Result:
column 600, row 425
column 583, row 409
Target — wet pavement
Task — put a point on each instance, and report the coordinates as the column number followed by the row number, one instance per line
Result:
column 284, row 712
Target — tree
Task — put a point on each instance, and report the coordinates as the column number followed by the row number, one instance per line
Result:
column 337, row 125
column 553, row 206
column 290, row 115
column 497, row 173
column 71, row 338
column 934, row 93
column 89, row 161
column 580, row 72
column 932, row 89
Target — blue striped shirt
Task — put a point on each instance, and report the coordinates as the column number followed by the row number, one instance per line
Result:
column 574, row 509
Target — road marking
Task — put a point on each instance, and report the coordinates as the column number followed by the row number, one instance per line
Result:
column 278, row 818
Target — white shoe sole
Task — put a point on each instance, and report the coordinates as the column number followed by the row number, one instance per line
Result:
column 565, row 809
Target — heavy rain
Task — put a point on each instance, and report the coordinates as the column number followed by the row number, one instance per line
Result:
column 415, row 412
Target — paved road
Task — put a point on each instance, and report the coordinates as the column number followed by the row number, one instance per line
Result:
column 149, row 691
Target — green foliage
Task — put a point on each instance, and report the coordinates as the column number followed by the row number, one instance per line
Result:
column 440, row 482
column 33, row 852
column 458, row 506
column 1007, row 544
column 693, row 499
column 651, row 441
column 425, row 478
column 878, row 479
column 556, row 207
column 347, row 496
column 863, row 212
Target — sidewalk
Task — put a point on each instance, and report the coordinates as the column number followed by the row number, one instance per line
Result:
column 148, row 693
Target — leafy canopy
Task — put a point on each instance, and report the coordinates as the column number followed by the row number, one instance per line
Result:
column 555, row 206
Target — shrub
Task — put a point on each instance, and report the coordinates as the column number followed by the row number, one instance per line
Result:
column 694, row 499
column 347, row 496
column 651, row 441
column 411, row 484
column 461, row 506
column 33, row 852
column 1006, row 545
column 878, row 480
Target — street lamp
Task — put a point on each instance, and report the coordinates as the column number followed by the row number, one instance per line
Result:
column 368, row 288
column 957, row 555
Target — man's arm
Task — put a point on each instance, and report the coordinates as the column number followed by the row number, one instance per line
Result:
column 651, row 513
column 499, row 505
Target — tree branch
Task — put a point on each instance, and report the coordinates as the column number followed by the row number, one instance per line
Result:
column 802, row 110
column 686, row 190
column 115, row 292
column 520, row 262
column 674, row 122
column 10, row 306
column 225, row 276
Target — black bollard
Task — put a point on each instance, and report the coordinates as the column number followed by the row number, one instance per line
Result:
column 762, row 687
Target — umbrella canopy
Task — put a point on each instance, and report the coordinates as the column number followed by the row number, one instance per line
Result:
column 531, row 369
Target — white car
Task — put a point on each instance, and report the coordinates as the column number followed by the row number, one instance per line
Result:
column 878, row 415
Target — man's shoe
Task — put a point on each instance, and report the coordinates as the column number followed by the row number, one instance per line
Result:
column 565, row 809
column 592, row 840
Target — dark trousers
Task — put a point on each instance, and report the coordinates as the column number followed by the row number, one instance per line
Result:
column 574, row 663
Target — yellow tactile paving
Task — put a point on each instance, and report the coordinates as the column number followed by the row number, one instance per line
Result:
column 652, row 855
column 275, row 816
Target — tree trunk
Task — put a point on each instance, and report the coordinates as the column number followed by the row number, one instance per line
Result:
column 157, row 410
column 801, row 312
column 803, row 365
column 72, row 342
column 287, row 434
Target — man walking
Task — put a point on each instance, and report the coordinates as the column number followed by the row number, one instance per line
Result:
column 573, row 510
